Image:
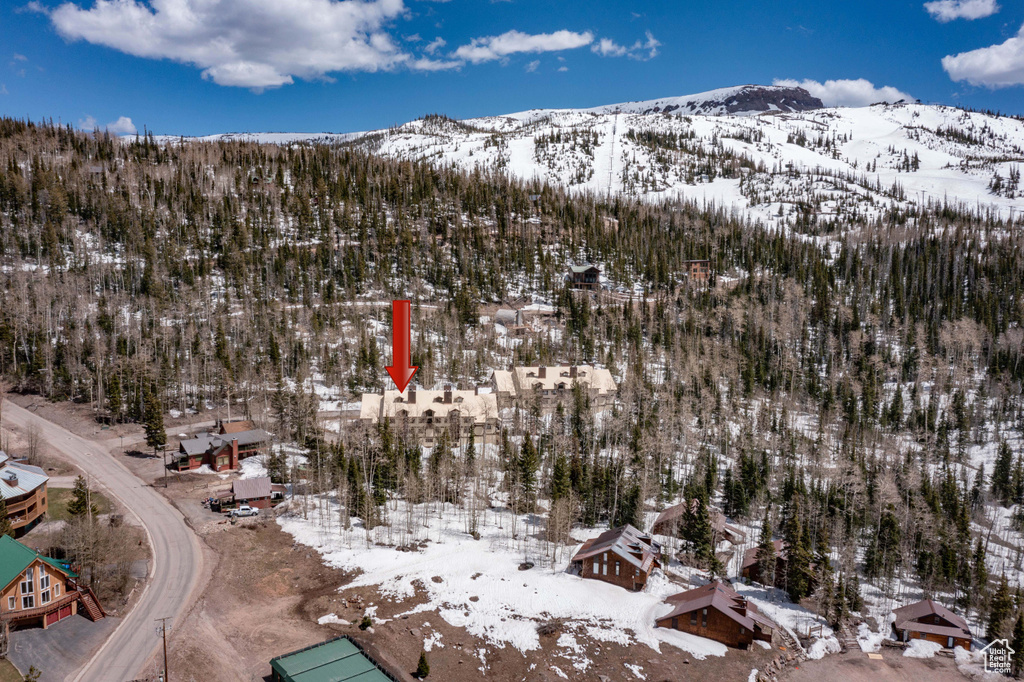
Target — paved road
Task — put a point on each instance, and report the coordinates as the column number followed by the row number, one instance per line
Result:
column 177, row 557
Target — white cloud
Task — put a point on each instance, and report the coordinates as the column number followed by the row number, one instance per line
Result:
column 641, row 49
column 3, row 89
column 425, row 64
column 498, row 47
column 997, row 66
column 563, row 68
column 846, row 93
column 122, row 126
column 435, row 45
column 606, row 47
column 247, row 43
column 948, row 10
column 532, row 66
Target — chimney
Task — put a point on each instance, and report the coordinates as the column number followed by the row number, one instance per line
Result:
column 476, row 390
column 542, row 372
column 412, row 395
column 11, row 479
column 448, row 395
column 234, row 453
column 572, row 372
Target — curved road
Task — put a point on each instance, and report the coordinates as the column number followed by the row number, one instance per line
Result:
column 177, row 557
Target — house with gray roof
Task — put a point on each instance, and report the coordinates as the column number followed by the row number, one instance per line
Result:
column 224, row 449
column 718, row 612
column 23, row 488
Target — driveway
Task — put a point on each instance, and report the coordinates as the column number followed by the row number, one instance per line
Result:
column 177, row 556
column 57, row 650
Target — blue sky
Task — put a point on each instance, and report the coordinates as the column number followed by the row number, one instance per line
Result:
column 205, row 66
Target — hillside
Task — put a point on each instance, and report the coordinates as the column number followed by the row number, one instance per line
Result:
column 859, row 397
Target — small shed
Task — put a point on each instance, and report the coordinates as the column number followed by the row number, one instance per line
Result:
column 255, row 492
column 336, row 660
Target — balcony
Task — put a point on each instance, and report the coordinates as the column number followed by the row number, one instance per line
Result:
column 38, row 612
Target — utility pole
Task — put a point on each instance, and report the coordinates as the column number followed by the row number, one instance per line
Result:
column 163, row 451
column 162, row 629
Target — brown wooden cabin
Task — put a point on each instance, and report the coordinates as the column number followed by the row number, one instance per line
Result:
column 38, row 590
column 697, row 271
column 671, row 520
column 752, row 571
column 586, row 277
column 622, row 556
column 717, row 612
column 933, row 622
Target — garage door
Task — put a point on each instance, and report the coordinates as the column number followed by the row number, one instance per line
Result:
column 65, row 612
column 52, row 618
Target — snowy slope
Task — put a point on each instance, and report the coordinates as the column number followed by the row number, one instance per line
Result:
column 808, row 169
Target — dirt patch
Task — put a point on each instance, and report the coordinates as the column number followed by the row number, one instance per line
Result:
column 855, row 666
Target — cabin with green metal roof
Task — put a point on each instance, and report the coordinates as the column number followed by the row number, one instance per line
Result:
column 336, row 660
column 39, row 590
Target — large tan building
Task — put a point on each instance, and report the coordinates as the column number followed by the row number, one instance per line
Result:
column 553, row 385
column 424, row 415
column 23, row 488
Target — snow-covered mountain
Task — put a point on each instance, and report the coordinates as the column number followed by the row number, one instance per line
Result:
column 771, row 153
column 817, row 170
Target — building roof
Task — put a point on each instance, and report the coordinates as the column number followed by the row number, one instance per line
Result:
column 336, row 660
column 722, row 598
column 16, row 557
column 211, row 442
column 251, row 488
column 627, row 542
column 17, row 479
column 480, row 406
column 718, row 522
column 907, row 617
column 502, row 381
column 750, row 556
column 586, row 267
column 559, row 376
column 237, row 426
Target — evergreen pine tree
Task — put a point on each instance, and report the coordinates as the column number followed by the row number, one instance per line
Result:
column 765, row 555
column 1017, row 644
column 560, row 484
column 156, row 435
column 999, row 611
column 5, row 523
column 1002, row 473
column 423, row 667
column 79, row 504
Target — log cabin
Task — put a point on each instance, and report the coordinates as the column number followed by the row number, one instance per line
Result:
column 933, row 622
column 717, row 612
column 622, row 556
column 223, row 450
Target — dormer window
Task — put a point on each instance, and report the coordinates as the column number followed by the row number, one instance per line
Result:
column 531, row 374
column 438, row 399
column 399, row 399
column 459, row 399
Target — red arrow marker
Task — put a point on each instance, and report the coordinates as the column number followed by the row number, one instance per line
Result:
column 401, row 339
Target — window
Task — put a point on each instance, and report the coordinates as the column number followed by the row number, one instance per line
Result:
column 949, row 643
column 27, row 582
column 222, row 461
column 693, row 617
column 44, row 579
column 743, row 630
column 922, row 635
column 45, row 597
column 12, row 603
column 28, row 602
column 56, row 589
column 616, row 568
column 703, row 618
column 596, row 568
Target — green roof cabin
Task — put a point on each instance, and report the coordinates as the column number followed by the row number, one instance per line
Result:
column 336, row 660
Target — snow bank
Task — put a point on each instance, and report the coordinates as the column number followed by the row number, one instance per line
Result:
column 922, row 648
